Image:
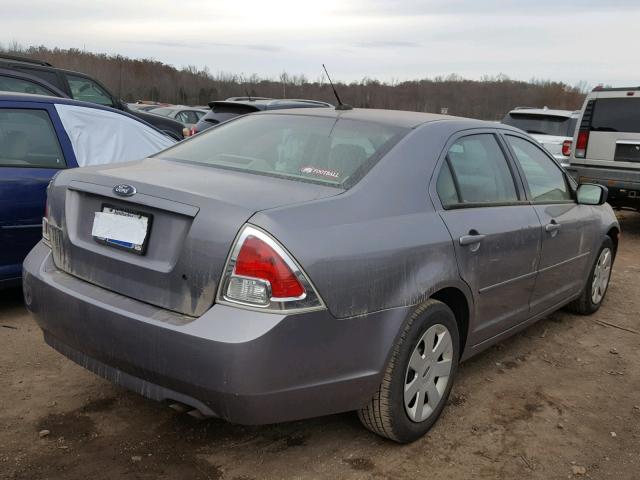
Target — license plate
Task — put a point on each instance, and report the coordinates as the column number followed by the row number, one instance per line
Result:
column 123, row 229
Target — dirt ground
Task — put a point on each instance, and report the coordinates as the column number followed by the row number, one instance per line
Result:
column 558, row 398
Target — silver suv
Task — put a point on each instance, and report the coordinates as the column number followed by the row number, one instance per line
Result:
column 607, row 144
column 553, row 129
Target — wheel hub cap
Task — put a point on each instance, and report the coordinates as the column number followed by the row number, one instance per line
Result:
column 601, row 276
column 428, row 373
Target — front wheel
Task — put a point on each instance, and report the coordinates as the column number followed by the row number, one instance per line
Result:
column 595, row 289
column 418, row 378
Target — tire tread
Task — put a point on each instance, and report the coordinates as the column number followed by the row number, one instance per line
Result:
column 376, row 415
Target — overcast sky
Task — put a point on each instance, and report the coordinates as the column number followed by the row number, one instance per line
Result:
column 570, row 41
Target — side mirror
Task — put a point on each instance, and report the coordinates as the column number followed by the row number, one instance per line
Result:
column 592, row 194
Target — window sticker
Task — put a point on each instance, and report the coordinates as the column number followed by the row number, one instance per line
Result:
column 320, row 172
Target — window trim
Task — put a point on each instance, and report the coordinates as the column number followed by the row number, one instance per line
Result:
column 444, row 159
column 523, row 176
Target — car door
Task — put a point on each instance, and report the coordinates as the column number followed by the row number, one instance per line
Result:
column 495, row 231
column 567, row 228
column 30, row 154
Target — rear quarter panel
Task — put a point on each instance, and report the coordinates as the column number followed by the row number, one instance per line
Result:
column 381, row 244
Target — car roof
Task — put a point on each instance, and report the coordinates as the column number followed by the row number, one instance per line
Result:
column 29, row 98
column 551, row 112
column 398, row 118
column 178, row 107
column 261, row 103
column 19, row 59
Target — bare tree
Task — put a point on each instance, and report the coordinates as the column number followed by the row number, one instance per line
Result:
column 135, row 79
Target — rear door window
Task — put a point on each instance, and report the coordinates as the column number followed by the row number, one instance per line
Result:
column 48, row 75
column 616, row 115
column 18, row 85
column 28, row 139
column 87, row 90
column 476, row 172
column 546, row 181
column 187, row 116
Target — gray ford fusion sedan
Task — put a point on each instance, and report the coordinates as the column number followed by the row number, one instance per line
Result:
column 300, row 263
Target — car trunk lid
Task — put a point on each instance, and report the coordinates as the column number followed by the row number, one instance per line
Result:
column 195, row 213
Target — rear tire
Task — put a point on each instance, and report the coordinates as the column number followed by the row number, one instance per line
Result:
column 418, row 379
column 597, row 284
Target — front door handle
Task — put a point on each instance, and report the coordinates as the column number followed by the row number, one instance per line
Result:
column 552, row 227
column 471, row 239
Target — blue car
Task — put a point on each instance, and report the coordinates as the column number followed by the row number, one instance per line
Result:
column 39, row 136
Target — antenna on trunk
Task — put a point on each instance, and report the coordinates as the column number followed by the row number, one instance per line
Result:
column 341, row 106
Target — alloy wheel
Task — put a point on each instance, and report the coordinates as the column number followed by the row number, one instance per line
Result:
column 428, row 373
column 601, row 275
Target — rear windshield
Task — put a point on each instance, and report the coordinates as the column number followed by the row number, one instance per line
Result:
column 542, row 124
column 616, row 115
column 330, row 151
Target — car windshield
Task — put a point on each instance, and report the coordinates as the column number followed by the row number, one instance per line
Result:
column 542, row 124
column 331, row 151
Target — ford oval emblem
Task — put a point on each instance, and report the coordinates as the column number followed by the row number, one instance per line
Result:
column 124, row 190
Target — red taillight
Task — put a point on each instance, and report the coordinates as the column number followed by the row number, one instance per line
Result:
column 566, row 147
column 261, row 274
column 258, row 260
column 581, row 143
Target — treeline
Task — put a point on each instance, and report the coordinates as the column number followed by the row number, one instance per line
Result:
column 148, row 79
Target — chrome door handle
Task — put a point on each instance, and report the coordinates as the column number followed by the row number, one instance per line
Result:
column 552, row 227
column 471, row 239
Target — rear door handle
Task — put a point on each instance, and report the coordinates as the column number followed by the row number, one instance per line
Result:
column 471, row 239
column 552, row 227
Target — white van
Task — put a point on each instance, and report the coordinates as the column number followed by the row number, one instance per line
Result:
column 607, row 144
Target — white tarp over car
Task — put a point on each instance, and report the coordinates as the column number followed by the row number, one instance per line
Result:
column 100, row 136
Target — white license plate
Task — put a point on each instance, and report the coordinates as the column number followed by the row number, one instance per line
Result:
column 121, row 229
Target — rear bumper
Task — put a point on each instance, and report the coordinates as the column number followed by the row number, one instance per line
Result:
column 623, row 184
column 246, row 367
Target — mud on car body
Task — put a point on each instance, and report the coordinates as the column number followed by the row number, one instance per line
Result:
column 315, row 261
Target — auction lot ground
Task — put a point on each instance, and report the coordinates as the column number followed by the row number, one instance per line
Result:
column 562, row 395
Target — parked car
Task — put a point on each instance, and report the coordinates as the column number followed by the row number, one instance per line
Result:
column 607, row 144
column 187, row 116
column 312, row 261
column 223, row 110
column 41, row 136
column 553, row 129
column 82, row 87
